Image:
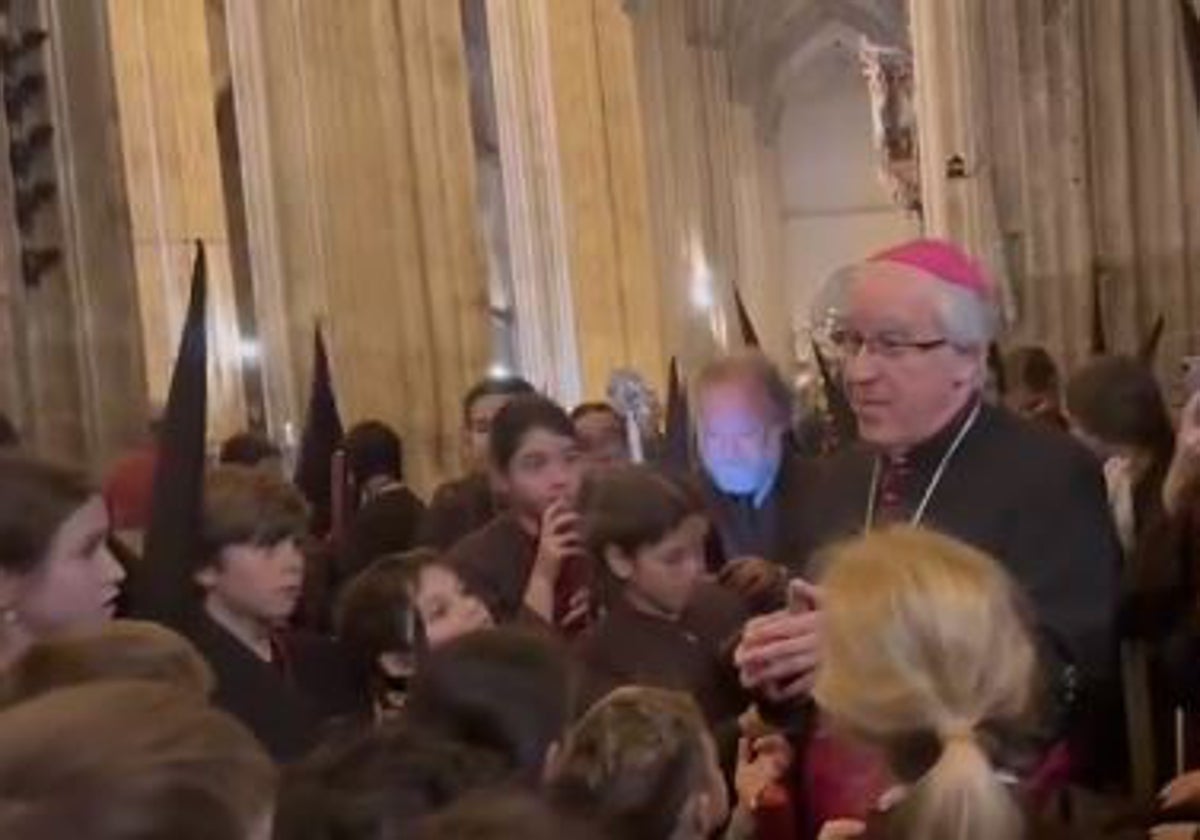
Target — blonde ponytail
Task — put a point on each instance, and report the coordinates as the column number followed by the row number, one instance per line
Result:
column 962, row 797
column 923, row 634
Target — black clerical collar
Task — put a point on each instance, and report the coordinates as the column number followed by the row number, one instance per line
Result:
column 926, row 455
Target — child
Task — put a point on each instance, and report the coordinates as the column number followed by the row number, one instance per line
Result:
column 642, row 765
column 57, row 574
column 283, row 685
column 926, row 658
column 467, row 504
column 665, row 626
column 392, row 609
column 529, row 561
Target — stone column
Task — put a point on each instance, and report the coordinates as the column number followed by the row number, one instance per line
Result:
column 167, row 105
column 97, row 232
column 714, row 186
column 360, row 192
column 69, row 336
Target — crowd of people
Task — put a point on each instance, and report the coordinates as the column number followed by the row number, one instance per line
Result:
column 944, row 628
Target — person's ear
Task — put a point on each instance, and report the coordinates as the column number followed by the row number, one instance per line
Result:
column 619, row 563
column 551, row 765
column 206, row 576
column 694, row 820
column 970, row 368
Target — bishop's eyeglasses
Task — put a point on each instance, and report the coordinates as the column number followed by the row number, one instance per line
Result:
column 843, row 344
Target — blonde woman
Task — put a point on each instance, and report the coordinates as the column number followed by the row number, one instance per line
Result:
column 926, row 657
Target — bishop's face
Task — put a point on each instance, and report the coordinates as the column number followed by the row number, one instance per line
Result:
column 904, row 380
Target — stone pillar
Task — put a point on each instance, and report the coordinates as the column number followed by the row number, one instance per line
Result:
column 576, row 188
column 69, row 336
column 97, row 232
column 714, row 188
column 544, row 303
column 167, row 104
column 359, row 178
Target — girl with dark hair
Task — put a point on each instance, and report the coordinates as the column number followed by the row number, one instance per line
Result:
column 56, row 572
column 530, row 559
column 391, row 612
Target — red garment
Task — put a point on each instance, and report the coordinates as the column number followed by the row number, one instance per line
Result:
column 836, row 779
column 129, row 488
column 840, row 780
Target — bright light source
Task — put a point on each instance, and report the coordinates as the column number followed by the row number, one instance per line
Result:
column 700, row 282
column 499, row 370
column 249, row 349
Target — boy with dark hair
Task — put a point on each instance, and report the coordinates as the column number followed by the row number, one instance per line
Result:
column 281, row 684
column 665, row 625
column 529, row 560
column 389, row 514
column 601, row 432
column 467, row 504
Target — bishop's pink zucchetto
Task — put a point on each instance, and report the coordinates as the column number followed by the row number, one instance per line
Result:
column 941, row 260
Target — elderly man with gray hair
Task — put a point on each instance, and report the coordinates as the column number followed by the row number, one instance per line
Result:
column 909, row 329
column 754, row 484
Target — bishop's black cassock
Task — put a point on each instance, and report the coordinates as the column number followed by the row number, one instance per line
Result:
column 1032, row 498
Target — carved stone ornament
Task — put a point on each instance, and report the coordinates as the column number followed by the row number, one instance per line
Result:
column 889, row 75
